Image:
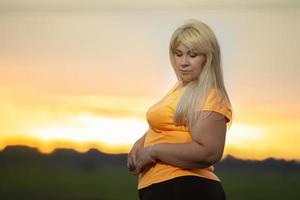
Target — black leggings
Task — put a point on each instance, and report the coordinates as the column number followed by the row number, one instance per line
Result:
column 184, row 188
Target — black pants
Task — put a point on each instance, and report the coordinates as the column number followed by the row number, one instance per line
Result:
column 184, row 188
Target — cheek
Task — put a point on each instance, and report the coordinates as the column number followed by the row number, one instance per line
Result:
column 197, row 68
column 197, row 65
column 177, row 61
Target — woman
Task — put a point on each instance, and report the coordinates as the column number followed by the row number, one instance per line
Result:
column 187, row 127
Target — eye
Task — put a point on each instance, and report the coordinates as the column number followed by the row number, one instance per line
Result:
column 193, row 55
column 177, row 54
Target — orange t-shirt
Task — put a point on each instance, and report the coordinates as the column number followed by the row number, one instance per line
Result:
column 163, row 130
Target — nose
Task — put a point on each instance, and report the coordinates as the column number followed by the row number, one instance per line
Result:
column 184, row 61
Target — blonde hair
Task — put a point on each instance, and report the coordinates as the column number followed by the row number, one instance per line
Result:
column 198, row 36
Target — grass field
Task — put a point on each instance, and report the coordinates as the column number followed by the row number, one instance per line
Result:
column 29, row 183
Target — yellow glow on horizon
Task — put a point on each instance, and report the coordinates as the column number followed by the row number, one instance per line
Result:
column 243, row 141
column 109, row 123
column 244, row 135
column 88, row 128
column 83, row 122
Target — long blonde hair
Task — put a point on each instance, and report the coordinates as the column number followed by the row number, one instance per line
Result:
column 198, row 36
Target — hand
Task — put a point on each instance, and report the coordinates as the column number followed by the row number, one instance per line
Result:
column 144, row 160
column 132, row 155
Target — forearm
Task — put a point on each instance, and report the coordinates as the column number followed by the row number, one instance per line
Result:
column 186, row 155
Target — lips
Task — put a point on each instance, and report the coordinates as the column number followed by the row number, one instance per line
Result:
column 184, row 72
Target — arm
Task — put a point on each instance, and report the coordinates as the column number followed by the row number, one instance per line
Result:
column 205, row 149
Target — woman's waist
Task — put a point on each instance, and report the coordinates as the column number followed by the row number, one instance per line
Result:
column 164, row 167
column 162, row 171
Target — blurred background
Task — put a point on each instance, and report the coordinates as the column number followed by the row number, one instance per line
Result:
column 77, row 78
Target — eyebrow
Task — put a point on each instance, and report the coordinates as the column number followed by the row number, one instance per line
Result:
column 189, row 51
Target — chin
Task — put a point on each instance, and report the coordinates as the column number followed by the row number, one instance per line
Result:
column 186, row 79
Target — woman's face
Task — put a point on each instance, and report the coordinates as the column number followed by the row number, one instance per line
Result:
column 188, row 63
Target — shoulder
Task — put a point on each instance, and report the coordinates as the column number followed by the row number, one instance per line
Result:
column 218, row 104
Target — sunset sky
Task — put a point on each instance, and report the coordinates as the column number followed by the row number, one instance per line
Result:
column 82, row 74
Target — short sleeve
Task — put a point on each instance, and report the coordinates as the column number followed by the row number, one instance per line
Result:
column 217, row 104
